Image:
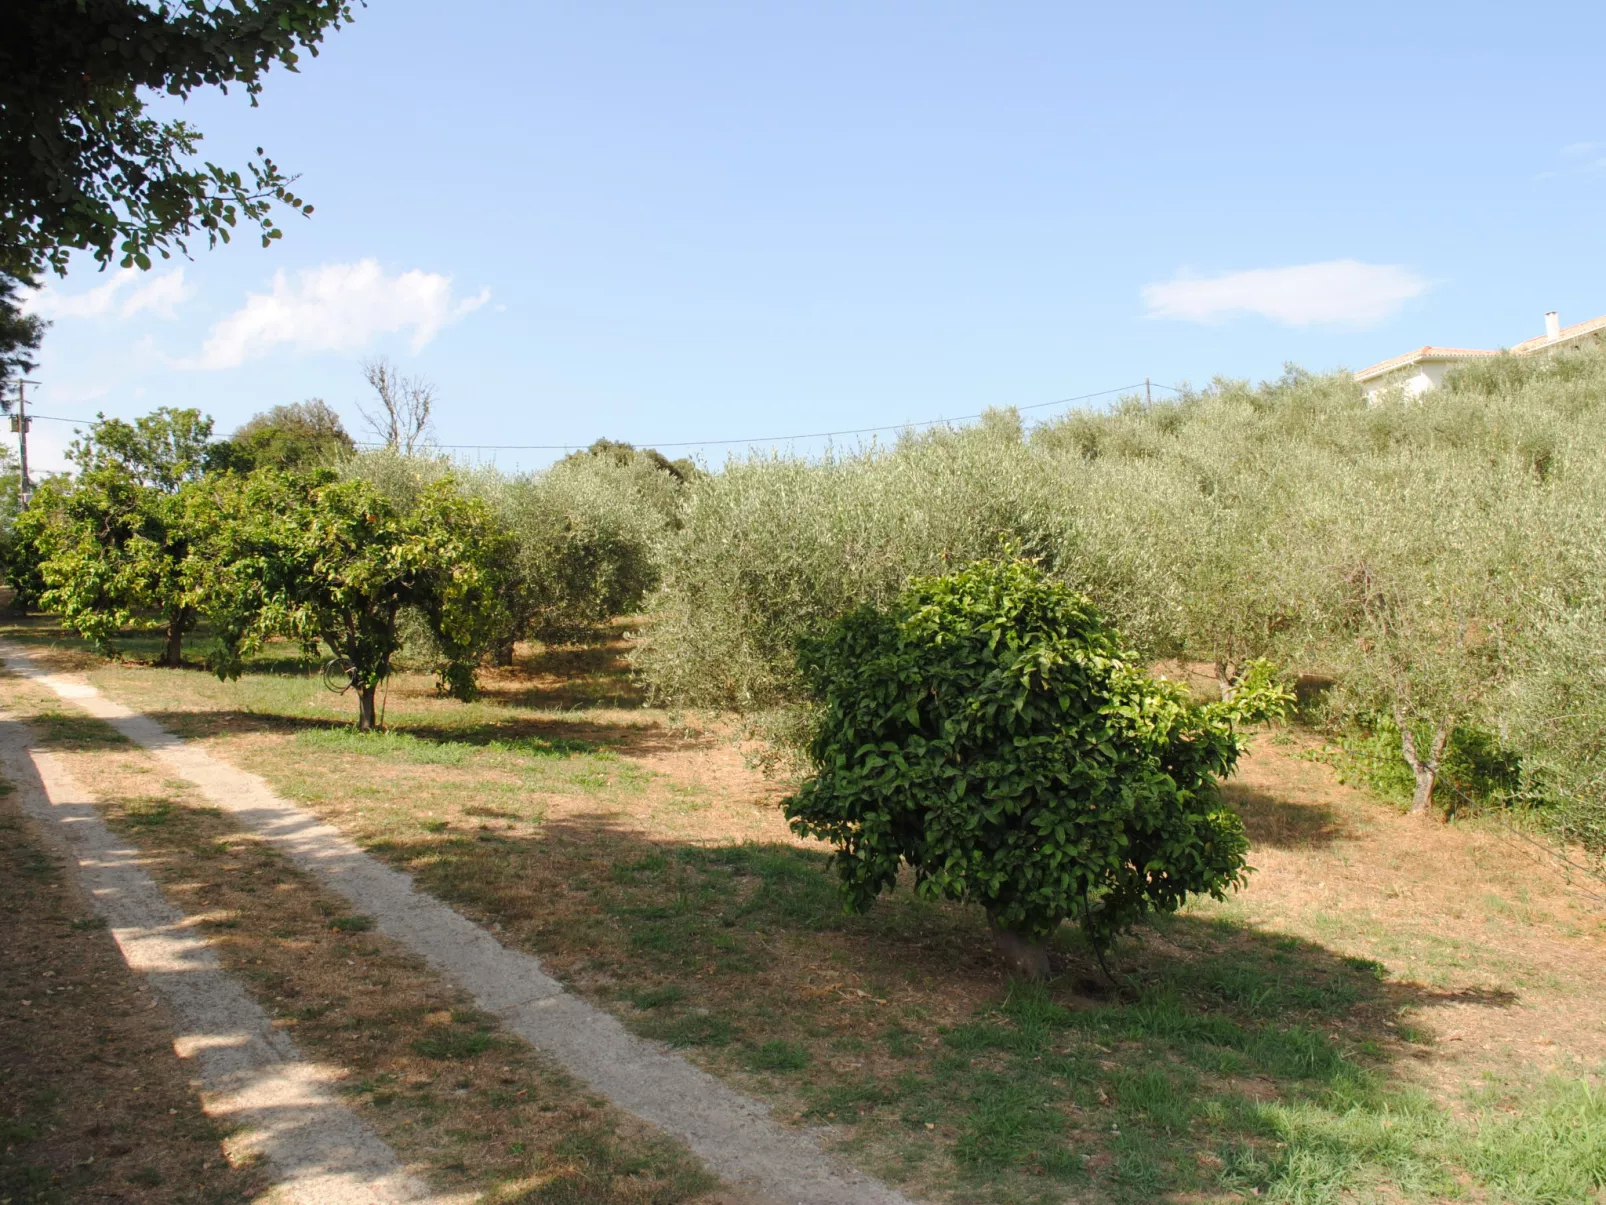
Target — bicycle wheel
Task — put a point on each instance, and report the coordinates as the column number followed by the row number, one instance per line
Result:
column 339, row 675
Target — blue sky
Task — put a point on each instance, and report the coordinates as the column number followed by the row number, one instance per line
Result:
column 686, row 222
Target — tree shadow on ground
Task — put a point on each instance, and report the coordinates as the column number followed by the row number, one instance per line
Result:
column 62, row 649
column 566, row 677
column 634, row 739
column 1281, row 824
column 899, row 1028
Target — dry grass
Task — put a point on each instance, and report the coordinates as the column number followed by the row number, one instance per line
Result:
column 466, row 1106
column 1334, row 1032
column 94, row 1104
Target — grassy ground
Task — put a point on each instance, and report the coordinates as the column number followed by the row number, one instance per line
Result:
column 466, row 1106
column 94, row 1104
column 1392, row 1010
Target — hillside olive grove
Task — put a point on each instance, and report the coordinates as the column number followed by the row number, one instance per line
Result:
column 1434, row 569
column 1432, row 572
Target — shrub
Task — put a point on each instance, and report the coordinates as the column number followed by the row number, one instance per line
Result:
column 583, row 540
column 991, row 729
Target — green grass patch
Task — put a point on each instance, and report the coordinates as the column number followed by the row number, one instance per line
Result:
column 454, row 1044
column 777, row 1055
column 689, row 1029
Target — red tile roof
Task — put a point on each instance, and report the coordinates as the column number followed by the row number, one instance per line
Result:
column 1567, row 332
column 1526, row 347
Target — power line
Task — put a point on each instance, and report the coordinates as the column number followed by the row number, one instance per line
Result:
column 711, row 443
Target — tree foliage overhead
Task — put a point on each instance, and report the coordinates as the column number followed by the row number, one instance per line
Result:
column 20, row 336
column 991, row 730
column 84, row 166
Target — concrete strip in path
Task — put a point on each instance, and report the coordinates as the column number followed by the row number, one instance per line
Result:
column 734, row 1134
column 319, row 1152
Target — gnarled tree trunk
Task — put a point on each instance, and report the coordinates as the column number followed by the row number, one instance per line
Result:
column 1227, row 675
column 1026, row 959
column 1425, row 770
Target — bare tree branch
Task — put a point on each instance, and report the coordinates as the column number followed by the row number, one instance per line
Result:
column 401, row 419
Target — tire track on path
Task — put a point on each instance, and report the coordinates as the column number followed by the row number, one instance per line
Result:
column 732, row 1133
column 251, row 1074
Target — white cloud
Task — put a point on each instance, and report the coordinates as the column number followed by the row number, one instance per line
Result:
column 336, row 307
column 1341, row 292
column 159, row 294
column 51, row 302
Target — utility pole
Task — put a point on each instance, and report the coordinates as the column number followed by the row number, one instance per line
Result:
column 20, row 422
column 1148, row 398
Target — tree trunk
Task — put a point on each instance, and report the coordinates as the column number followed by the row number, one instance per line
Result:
column 173, row 653
column 1025, row 958
column 1226, row 676
column 1424, row 770
column 365, row 709
column 502, row 652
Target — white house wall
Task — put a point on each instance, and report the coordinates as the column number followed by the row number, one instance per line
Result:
column 1414, row 379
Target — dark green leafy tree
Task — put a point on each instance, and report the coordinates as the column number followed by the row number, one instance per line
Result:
column 991, row 730
column 117, row 556
column 84, row 166
column 304, row 435
column 335, row 563
column 161, row 450
column 20, row 335
column 113, row 548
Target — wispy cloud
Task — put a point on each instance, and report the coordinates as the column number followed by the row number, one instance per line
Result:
column 1580, row 159
column 159, row 294
column 1340, row 292
column 162, row 295
column 335, row 307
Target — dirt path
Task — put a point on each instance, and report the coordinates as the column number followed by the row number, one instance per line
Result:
column 732, row 1133
column 251, row 1075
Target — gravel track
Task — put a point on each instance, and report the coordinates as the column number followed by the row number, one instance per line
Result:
column 732, row 1133
column 251, row 1075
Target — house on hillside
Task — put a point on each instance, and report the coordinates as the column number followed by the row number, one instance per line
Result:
column 1418, row 371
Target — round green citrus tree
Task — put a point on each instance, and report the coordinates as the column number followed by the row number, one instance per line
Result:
column 990, row 729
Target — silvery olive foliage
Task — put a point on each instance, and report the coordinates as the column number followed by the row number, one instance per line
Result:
column 584, row 537
column 1438, row 560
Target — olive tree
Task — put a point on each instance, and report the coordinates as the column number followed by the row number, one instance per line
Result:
column 990, row 729
column 1412, row 573
column 584, row 537
column 335, row 562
